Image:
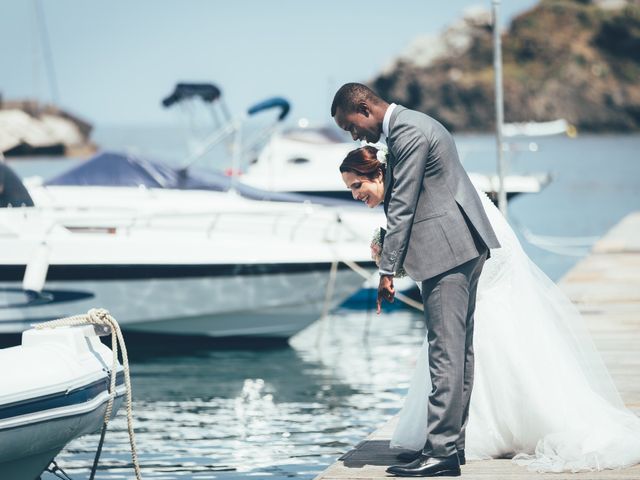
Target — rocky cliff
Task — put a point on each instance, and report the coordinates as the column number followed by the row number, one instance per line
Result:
column 572, row 59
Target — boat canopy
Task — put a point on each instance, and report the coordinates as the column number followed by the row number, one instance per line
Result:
column 112, row 169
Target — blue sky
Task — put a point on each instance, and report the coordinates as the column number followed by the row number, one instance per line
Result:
column 116, row 59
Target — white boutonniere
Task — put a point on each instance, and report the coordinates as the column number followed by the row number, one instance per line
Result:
column 383, row 153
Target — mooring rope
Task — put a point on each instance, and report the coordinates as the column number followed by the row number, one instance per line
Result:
column 328, row 295
column 400, row 296
column 100, row 316
column 55, row 469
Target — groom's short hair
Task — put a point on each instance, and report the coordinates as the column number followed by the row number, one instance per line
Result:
column 350, row 94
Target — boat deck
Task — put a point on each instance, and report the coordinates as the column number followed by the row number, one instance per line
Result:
column 606, row 288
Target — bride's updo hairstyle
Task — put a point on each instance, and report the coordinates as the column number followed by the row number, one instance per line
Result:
column 363, row 162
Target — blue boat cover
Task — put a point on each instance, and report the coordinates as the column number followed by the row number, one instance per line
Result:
column 111, row 169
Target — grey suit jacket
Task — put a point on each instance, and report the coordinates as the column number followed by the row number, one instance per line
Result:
column 430, row 202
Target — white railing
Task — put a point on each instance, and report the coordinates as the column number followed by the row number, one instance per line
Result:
column 294, row 223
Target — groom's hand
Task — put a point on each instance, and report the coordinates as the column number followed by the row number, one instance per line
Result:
column 385, row 290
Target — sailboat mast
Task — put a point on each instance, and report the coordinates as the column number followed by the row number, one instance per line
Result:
column 497, row 69
column 46, row 51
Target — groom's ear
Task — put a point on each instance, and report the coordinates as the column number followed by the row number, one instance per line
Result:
column 363, row 109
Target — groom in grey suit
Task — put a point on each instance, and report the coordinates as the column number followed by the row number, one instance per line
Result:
column 438, row 231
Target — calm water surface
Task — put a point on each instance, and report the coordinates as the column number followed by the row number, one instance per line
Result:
column 291, row 411
column 279, row 413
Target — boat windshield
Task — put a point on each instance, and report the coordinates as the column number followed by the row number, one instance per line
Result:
column 323, row 135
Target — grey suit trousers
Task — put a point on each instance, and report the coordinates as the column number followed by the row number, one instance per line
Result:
column 449, row 300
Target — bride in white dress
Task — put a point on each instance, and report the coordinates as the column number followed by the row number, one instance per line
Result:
column 542, row 393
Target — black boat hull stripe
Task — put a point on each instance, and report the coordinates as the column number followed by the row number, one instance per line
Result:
column 43, row 403
column 15, row 273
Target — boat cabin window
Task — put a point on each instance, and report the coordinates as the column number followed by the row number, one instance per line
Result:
column 299, row 160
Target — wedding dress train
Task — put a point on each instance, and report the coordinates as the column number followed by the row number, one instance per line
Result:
column 541, row 390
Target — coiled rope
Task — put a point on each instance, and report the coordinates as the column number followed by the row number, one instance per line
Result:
column 100, row 316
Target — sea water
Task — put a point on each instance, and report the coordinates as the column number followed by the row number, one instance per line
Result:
column 291, row 411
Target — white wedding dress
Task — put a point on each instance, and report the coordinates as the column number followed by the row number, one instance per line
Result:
column 541, row 390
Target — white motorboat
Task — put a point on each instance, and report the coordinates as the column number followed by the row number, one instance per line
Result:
column 559, row 126
column 300, row 160
column 55, row 388
column 305, row 161
column 182, row 262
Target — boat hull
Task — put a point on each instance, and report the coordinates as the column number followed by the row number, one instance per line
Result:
column 27, row 450
column 270, row 301
column 55, row 388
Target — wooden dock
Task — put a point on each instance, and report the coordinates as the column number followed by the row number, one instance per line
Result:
column 606, row 288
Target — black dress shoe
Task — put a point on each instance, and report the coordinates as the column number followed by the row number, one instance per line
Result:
column 428, row 467
column 411, row 456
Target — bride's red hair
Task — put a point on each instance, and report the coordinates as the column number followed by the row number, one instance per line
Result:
column 363, row 162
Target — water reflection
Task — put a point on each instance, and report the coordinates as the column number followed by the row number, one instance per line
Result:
column 277, row 412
